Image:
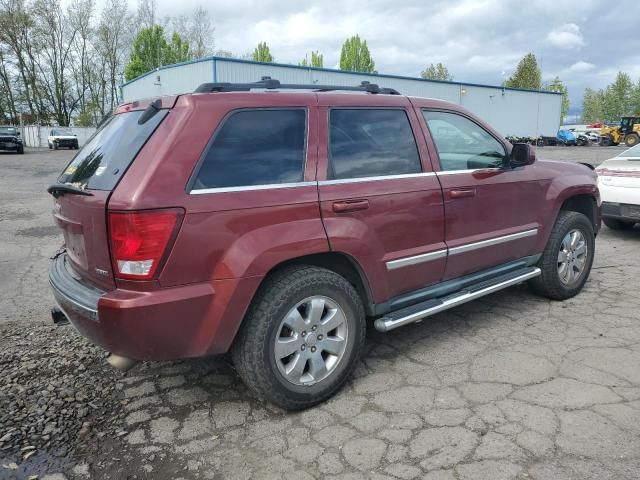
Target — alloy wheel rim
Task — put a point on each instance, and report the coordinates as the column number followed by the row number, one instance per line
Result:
column 311, row 340
column 572, row 257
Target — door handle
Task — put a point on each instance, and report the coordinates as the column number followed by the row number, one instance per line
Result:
column 471, row 192
column 350, row 206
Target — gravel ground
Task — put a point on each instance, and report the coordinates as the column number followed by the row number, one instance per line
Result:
column 508, row 387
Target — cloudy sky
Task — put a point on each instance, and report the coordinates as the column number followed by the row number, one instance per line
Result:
column 582, row 42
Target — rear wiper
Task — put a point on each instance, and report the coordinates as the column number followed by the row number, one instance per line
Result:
column 59, row 189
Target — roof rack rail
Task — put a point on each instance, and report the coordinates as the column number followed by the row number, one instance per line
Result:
column 269, row 83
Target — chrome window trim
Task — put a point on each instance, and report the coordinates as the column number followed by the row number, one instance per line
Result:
column 426, row 257
column 493, row 241
column 271, row 186
column 201, row 160
column 413, row 260
column 473, row 170
column 340, row 181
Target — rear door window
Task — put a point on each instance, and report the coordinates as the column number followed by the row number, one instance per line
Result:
column 255, row 147
column 100, row 164
column 371, row 143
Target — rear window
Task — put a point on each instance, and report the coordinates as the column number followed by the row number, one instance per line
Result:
column 371, row 143
column 104, row 159
column 255, row 147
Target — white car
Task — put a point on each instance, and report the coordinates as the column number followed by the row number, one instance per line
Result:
column 62, row 137
column 619, row 184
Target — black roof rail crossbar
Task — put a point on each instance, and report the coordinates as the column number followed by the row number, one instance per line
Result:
column 269, row 83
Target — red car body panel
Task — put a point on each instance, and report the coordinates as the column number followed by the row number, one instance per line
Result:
column 229, row 241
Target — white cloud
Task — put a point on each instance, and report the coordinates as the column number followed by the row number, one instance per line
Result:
column 580, row 67
column 566, row 36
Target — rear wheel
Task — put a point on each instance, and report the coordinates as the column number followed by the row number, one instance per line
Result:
column 606, row 141
column 631, row 139
column 615, row 224
column 301, row 338
column 567, row 258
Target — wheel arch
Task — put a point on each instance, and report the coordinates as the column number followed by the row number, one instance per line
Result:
column 338, row 262
column 585, row 204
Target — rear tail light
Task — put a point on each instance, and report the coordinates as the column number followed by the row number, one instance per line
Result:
column 139, row 241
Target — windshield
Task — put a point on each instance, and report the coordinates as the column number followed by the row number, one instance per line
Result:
column 104, row 159
column 61, row 131
column 7, row 131
column 632, row 152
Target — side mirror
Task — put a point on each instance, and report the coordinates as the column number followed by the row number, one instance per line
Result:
column 522, row 154
column 18, row 133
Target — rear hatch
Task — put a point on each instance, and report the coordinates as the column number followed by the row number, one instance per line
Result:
column 83, row 189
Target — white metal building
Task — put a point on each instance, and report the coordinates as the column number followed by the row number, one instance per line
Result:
column 523, row 113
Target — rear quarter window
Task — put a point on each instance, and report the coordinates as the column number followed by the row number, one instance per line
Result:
column 255, row 147
column 100, row 164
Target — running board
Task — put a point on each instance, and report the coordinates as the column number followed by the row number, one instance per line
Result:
column 427, row 308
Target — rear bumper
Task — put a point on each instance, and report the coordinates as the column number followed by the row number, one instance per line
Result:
column 621, row 211
column 167, row 324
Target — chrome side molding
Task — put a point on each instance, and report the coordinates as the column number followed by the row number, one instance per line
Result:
column 424, row 257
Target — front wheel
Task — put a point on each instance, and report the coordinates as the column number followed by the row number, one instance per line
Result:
column 567, row 258
column 301, row 338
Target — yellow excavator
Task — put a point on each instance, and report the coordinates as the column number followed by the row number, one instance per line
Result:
column 628, row 132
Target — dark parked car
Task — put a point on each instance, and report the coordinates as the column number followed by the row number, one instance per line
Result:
column 10, row 140
column 276, row 224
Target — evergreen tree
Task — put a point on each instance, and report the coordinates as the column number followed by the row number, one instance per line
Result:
column 557, row 86
column 527, row 74
column 592, row 103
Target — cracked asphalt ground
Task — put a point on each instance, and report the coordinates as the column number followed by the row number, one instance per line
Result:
column 509, row 387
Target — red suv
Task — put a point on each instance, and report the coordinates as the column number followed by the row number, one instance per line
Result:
column 276, row 220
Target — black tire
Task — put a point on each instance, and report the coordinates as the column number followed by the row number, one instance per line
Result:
column 631, row 140
column 50, row 147
column 549, row 284
column 253, row 350
column 21, row 150
column 55, row 146
column 615, row 224
column 606, row 141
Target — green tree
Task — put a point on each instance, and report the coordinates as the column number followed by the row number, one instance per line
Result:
column 635, row 99
column 592, row 105
column 618, row 98
column 436, row 72
column 556, row 85
column 316, row 60
column 355, row 56
column 151, row 50
column 177, row 50
column 527, row 74
column 262, row 53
